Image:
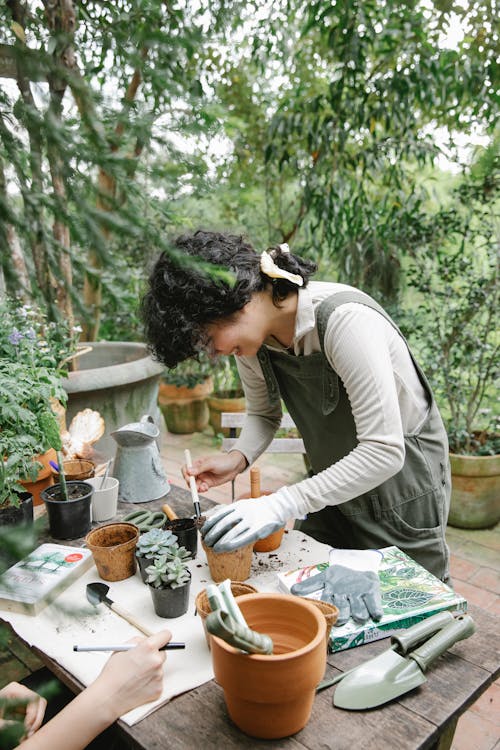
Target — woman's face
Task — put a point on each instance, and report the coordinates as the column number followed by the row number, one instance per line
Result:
column 242, row 334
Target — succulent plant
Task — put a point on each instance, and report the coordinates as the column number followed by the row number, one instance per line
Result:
column 168, row 573
column 156, row 542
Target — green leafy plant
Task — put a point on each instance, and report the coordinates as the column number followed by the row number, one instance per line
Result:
column 155, row 542
column 169, row 571
column 227, row 382
column 28, row 426
column 27, row 335
column 189, row 373
column 456, row 277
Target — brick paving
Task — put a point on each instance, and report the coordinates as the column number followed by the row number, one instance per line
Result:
column 475, row 569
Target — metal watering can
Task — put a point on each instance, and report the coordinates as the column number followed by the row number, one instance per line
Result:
column 137, row 464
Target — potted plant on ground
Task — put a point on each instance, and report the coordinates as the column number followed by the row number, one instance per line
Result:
column 28, row 427
column 152, row 544
column 228, row 393
column 456, row 276
column 183, row 393
column 169, row 580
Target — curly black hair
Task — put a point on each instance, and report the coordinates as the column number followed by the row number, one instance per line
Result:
column 185, row 294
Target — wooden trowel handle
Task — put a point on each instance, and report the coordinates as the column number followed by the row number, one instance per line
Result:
column 130, row 618
column 255, row 482
column 170, row 514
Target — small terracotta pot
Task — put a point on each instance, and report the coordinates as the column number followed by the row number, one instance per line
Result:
column 329, row 611
column 77, row 469
column 233, row 565
column 203, row 607
column 271, row 696
column 113, row 548
column 44, row 479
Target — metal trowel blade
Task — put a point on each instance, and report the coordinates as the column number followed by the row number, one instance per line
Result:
column 378, row 681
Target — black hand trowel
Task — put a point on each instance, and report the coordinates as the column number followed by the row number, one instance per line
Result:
column 390, row 674
column 97, row 594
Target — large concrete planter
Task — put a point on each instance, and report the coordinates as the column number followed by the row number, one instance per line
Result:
column 120, row 381
column 475, row 494
column 185, row 409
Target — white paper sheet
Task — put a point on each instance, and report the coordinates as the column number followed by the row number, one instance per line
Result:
column 72, row 620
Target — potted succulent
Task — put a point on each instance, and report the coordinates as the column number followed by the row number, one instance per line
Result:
column 28, row 428
column 152, row 544
column 183, row 393
column 456, row 277
column 169, row 580
column 228, row 393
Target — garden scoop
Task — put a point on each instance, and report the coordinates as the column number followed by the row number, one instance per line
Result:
column 97, row 594
column 390, row 674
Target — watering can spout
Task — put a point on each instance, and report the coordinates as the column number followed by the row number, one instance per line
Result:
column 138, row 465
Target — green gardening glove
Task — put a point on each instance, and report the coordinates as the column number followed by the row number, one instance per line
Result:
column 355, row 593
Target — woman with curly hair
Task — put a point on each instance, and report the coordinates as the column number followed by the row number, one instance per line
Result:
column 372, row 432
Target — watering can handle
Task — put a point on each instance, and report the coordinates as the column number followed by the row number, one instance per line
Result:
column 461, row 628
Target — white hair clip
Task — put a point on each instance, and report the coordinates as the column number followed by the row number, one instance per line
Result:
column 269, row 268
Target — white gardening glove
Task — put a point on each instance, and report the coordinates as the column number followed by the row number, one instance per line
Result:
column 233, row 526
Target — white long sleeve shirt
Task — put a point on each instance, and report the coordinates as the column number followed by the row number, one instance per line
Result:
column 385, row 392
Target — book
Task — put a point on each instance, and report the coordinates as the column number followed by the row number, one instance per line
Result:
column 409, row 594
column 36, row 580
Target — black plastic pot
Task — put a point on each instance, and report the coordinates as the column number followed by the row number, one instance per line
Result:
column 12, row 516
column 142, row 564
column 72, row 518
column 186, row 531
column 171, row 603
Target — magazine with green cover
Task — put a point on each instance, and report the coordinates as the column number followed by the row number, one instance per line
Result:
column 409, row 594
column 36, row 580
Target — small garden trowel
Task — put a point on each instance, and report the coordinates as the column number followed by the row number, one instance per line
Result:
column 390, row 674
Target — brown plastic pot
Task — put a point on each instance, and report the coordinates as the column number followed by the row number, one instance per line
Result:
column 271, row 696
column 233, row 565
column 77, row 469
column 329, row 611
column 203, row 607
column 113, row 548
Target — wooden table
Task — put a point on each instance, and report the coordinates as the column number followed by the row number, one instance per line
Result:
column 423, row 718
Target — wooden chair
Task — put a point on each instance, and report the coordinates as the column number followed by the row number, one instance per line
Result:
column 234, row 420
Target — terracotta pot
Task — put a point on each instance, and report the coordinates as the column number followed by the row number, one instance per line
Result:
column 273, row 541
column 329, row 611
column 216, row 406
column 233, row 565
column 272, row 696
column 185, row 410
column 77, row 469
column 475, row 493
column 203, row 607
column 45, row 477
column 113, row 548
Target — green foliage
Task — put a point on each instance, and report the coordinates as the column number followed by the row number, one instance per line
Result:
column 189, row 373
column 27, row 335
column 456, row 275
column 28, row 426
column 155, row 542
column 227, row 382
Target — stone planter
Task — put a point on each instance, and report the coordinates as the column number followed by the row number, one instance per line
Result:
column 217, row 405
column 120, row 381
column 184, row 409
column 475, row 493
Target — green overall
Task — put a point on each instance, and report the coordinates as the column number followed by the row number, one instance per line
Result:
column 408, row 510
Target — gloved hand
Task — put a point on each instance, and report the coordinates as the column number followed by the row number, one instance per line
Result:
column 356, row 593
column 245, row 521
